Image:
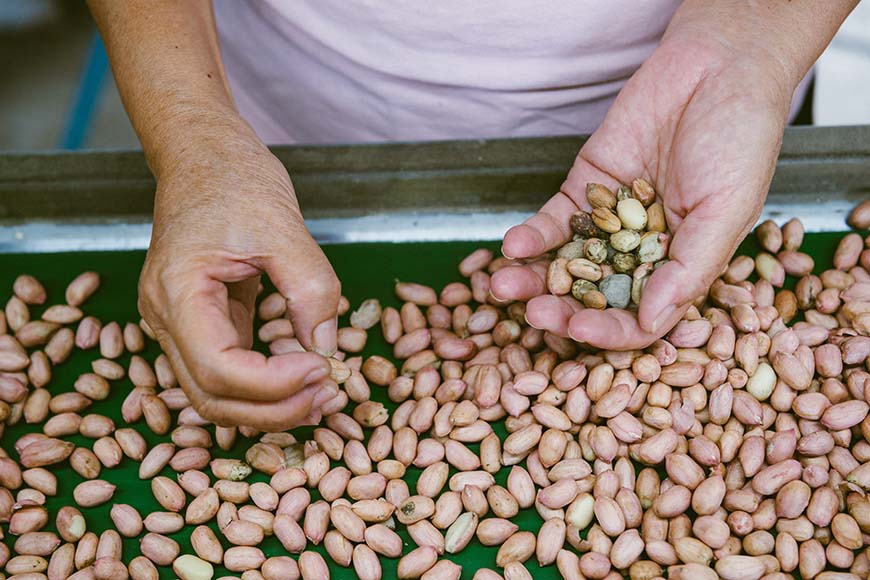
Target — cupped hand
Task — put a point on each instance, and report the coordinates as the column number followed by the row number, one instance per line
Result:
column 705, row 130
column 220, row 221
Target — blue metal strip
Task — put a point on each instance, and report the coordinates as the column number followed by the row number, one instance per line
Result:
column 87, row 96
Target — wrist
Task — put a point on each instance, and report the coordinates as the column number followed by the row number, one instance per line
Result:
column 200, row 140
column 745, row 43
column 217, row 159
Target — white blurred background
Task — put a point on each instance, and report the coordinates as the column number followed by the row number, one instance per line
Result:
column 56, row 90
column 843, row 74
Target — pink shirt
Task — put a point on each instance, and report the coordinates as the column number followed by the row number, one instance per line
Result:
column 341, row 71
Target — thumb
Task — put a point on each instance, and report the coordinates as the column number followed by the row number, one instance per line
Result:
column 304, row 276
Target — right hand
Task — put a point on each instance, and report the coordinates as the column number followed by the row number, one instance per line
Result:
column 702, row 122
column 223, row 215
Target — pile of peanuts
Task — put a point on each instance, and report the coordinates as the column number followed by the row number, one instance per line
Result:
column 614, row 249
column 737, row 447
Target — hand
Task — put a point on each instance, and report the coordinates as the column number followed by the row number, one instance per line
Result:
column 705, row 130
column 220, row 220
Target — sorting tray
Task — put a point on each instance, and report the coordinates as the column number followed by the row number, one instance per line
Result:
column 422, row 207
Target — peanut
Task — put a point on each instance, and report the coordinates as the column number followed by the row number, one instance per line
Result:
column 759, row 427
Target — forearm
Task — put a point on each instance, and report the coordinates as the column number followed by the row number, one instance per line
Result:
column 167, row 65
column 786, row 36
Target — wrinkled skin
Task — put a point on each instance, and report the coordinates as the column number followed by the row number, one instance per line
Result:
column 705, row 131
column 217, row 228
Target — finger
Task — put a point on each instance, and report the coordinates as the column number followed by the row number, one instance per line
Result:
column 543, row 231
column 612, row 329
column 666, row 297
column 305, row 277
column 268, row 417
column 242, row 299
column 552, row 313
column 219, row 362
column 701, row 246
column 297, row 409
column 522, row 282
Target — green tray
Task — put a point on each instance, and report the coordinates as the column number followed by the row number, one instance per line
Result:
column 366, row 270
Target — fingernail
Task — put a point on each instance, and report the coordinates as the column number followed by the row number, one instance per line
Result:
column 324, row 337
column 663, row 318
column 526, row 316
column 497, row 299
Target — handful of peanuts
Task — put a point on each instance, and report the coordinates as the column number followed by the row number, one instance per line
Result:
column 614, row 249
column 737, row 447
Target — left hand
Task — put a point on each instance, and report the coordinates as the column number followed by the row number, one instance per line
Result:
column 704, row 126
column 225, row 214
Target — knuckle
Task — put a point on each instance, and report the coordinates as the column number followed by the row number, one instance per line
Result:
column 145, row 311
column 323, row 289
column 148, row 294
column 326, row 285
column 151, row 297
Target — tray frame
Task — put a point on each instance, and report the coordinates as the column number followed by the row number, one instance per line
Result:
column 397, row 192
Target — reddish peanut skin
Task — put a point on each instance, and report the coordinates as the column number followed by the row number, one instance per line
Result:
column 280, row 568
column 127, row 520
column 760, row 428
column 312, row 566
column 159, row 549
column 241, row 558
column 81, row 288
